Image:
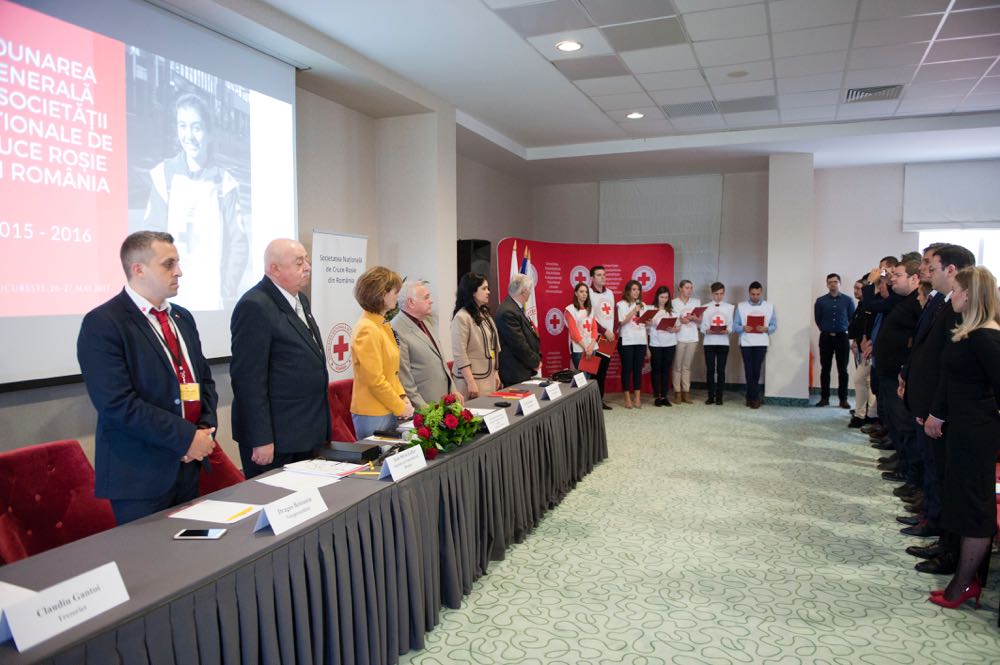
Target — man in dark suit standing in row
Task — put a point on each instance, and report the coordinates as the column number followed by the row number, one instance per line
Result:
column 280, row 405
column 520, row 356
column 142, row 363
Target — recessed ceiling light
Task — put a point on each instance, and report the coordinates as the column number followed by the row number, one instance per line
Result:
column 635, row 115
column 568, row 46
column 738, row 73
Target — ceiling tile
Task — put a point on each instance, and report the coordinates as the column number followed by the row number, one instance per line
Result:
column 611, row 85
column 798, row 14
column 876, row 9
column 971, row 23
column 698, row 123
column 740, row 21
column 645, row 35
column 608, row 12
column 971, row 4
column 687, row 6
column 738, row 90
column 592, row 39
column 980, row 102
column 878, row 57
column 631, row 100
column 751, row 119
column 642, row 129
column 960, row 69
column 725, row 51
column 754, row 71
column 864, row 78
column 962, row 49
column 866, row 110
column 928, row 106
column 591, row 68
column 816, row 63
column 990, row 84
column 813, row 40
column 818, row 98
column 900, row 30
column 682, row 95
column 663, row 59
column 500, row 4
column 545, row 18
column 748, row 104
column 829, row 81
column 938, row 89
column 685, row 110
column 684, row 78
column 809, row 114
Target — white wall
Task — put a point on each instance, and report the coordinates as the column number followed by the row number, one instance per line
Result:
column 566, row 213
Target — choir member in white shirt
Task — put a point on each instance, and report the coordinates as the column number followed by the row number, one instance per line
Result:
column 687, row 340
column 662, row 345
column 632, row 341
column 582, row 325
column 716, row 324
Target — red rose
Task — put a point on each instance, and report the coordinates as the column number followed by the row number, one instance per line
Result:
column 449, row 399
column 430, row 453
column 466, row 415
column 450, row 421
column 418, row 420
column 423, row 433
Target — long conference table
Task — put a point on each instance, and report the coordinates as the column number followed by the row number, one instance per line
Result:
column 361, row 584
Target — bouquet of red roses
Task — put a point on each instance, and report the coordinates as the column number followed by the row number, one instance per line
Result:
column 443, row 426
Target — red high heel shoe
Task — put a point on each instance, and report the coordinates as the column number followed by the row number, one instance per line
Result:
column 971, row 591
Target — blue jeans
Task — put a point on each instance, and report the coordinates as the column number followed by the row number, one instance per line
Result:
column 365, row 426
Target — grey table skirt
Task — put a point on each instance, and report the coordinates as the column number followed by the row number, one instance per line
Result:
column 362, row 584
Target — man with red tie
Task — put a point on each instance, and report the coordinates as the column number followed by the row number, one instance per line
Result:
column 144, row 370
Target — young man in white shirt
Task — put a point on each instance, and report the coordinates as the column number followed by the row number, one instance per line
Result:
column 716, row 324
column 603, row 301
column 754, row 339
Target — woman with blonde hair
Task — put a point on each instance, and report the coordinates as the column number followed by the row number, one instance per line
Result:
column 378, row 398
column 971, row 376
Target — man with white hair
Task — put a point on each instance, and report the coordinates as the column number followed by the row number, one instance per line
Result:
column 422, row 369
column 520, row 354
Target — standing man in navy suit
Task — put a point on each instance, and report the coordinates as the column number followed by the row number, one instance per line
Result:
column 280, row 405
column 145, row 373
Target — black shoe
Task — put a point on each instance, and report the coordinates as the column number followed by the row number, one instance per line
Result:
column 904, row 489
column 908, row 520
column 943, row 564
column 916, row 507
column 921, row 530
column 823, row 402
column 927, row 551
column 718, row 399
column 890, row 458
column 844, row 404
column 666, row 401
column 604, row 405
column 888, row 466
column 893, row 477
column 855, row 422
column 711, row 399
column 912, row 498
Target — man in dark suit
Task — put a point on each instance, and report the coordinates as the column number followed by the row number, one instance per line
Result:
column 280, row 404
column 142, row 364
column 520, row 355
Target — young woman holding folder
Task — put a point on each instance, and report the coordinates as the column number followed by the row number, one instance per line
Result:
column 582, row 326
column 632, row 341
column 689, row 310
column 663, row 329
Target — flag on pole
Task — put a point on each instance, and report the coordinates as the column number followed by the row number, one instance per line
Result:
column 529, row 307
column 513, row 271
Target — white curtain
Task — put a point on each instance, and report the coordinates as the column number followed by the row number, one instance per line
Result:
column 952, row 195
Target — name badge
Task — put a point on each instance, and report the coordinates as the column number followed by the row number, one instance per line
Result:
column 62, row 606
column 496, row 420
column 580, row 380
column 190, row 392
column 291, row 511
column 402, row 464
column 552, row 391
column 527, row 405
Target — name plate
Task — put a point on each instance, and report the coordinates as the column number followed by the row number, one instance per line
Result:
column 60, row 607
column 528, row 405
column 402, row 464
column 291, row 511
column 553, row 391
column 496, row 420
column 580, row 380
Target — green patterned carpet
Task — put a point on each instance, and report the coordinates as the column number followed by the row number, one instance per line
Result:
column 718, row 535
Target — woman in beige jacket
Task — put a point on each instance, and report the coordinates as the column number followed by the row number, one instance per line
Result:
column 475, row 345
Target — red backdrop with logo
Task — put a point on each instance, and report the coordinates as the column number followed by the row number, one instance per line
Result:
column 557, row 269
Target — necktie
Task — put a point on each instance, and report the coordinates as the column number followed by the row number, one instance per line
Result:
column 299, row 312
column 192, row 409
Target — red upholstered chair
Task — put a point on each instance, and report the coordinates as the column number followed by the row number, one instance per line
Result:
column 223, row 474
column 47, row 499
column 341, row 424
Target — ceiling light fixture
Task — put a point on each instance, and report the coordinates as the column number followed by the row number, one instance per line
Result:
column 635, row 115
column 738, row 73
column 568, row 46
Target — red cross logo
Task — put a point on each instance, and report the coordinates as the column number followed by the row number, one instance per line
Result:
column 555, row 321
column 644, row 279
column 580, row 277
column 606, row 308
column 588, row 325
column 337, row 347
column 718, row 321
column 340, row 348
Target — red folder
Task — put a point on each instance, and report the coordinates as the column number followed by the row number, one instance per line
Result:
column 755, row 321
column 717, row 330
column 605, row 348
column 644, row 318
column 667, row 323
column 698, row 311
column 589, row 365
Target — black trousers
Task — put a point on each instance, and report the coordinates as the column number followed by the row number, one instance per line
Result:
column 251, row 468
column 660, row 359
column 632, row 356
column 716, row 356
column 602, row 373
column 830, row 345
column 185, row 489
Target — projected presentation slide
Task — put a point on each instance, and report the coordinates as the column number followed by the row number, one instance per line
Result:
column 100, row 138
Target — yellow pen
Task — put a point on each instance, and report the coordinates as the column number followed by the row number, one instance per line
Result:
column 365, row 473
column 239, row 514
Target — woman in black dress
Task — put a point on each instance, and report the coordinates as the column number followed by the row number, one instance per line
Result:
column 971, row 369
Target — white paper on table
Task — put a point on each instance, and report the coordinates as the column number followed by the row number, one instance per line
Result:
column 534, row 382
column 290, row 480
column 220, row 512
column 479, row 413
column 324, row 467
column 10, row 594
column 406, row 424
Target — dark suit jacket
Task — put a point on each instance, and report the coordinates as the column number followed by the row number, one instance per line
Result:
column 278, row 373
column 895, row 336
column 924, row 389
column 519, row 345
column 141, row 432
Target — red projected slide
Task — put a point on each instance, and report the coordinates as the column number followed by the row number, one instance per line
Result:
column 63, row 165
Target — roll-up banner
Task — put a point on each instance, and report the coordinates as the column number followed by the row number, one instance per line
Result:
column 556, row 268
column 337, row 261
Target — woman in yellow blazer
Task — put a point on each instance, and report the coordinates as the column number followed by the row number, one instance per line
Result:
column 475, row 345
column 378, row 398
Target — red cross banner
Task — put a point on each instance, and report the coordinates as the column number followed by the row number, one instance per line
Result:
column 337, row 262
column 557, row 268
